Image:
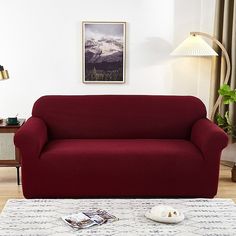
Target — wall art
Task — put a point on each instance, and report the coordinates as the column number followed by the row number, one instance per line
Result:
column 104, row 51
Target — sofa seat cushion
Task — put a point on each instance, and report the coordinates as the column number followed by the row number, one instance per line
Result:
column 127, row 150
column 125, row 167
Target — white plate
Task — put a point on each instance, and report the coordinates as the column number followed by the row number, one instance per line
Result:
column 167, row 220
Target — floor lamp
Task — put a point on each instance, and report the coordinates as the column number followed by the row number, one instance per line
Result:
column 3, row 75
column 194, row 45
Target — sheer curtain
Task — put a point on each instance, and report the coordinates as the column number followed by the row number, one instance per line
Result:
column 225, row 32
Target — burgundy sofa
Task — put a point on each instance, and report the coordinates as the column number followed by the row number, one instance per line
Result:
column 119, row 146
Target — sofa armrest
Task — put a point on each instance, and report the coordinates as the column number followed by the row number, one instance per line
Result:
column 31, row 137
column 209, row 138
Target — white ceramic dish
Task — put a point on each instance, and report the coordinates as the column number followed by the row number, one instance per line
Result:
column 165, row 214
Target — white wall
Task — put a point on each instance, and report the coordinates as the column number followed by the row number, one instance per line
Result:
column 40, row 45
column 193, row 75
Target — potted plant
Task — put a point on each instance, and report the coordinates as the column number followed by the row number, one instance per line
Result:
column 223, row 121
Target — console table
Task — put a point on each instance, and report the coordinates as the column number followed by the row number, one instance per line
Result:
column 9, row 154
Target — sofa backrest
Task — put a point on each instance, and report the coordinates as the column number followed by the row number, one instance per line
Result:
column 119, row 116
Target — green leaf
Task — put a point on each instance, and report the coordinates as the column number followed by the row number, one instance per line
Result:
column 221, row 121
column 227, row 93
column 224, row 90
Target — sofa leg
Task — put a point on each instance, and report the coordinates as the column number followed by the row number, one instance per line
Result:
column 18, row 174
column 234, row 173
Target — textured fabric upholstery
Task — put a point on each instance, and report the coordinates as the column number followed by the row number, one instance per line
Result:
column 32, row 137
column 119, row 116
column 119, row 146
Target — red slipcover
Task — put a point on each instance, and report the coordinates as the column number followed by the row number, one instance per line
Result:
column 119, row 146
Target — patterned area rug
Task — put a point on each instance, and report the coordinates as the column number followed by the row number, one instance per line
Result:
column 42, row 217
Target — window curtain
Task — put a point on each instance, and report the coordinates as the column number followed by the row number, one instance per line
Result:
column 225, row 32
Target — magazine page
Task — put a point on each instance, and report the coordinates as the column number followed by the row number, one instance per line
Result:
column 80, row 221
column 102, row 213
column 83, row 220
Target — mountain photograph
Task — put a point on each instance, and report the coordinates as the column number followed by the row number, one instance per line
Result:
column 103, row 52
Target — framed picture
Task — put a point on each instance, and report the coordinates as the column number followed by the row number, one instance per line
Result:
column 104, row 50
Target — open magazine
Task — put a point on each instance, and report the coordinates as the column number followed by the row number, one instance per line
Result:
column 83, row 220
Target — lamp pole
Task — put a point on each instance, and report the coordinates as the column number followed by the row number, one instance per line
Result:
column 228, row 67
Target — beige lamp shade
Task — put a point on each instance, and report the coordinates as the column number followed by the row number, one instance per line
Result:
column 193, row 46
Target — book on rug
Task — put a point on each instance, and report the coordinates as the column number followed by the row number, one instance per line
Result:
column 83, row 220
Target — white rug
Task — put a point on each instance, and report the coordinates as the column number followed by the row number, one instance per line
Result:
column 41, row 217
